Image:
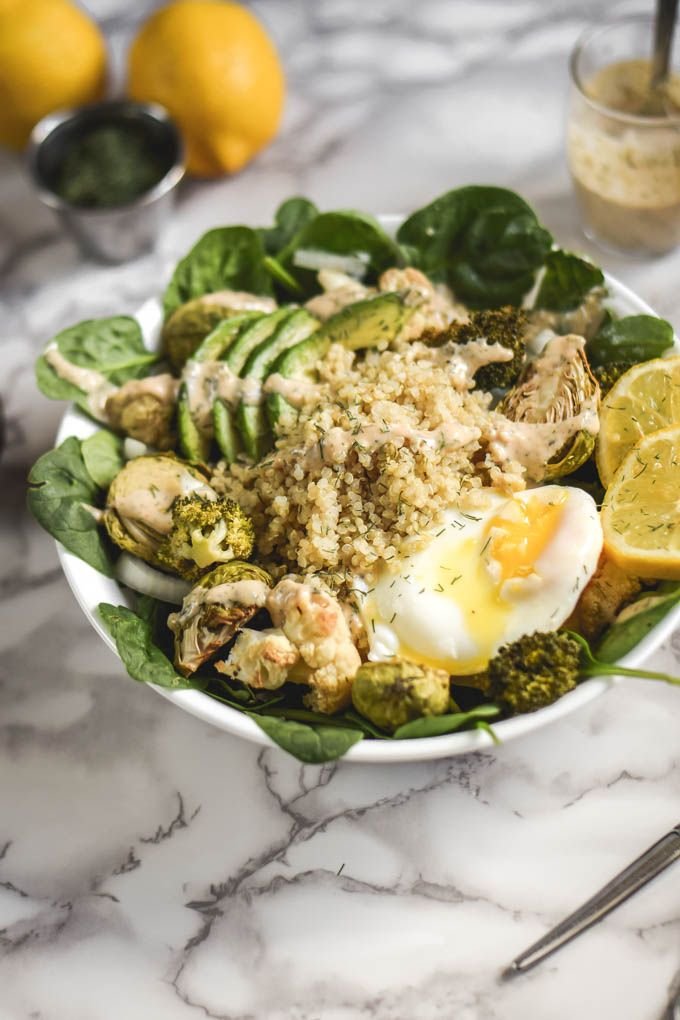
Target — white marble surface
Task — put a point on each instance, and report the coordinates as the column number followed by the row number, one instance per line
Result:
column 153, row 867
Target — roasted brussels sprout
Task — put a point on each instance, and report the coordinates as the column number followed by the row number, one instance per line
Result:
column 138, row 505
column 190, row 323
column 144, row 409
column 391, row 694
column 205, row 531
column 222, row 602
column 557, row 388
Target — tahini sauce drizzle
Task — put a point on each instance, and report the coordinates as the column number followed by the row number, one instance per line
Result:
column 248, row 592
column 151, row 503
column 93, row 383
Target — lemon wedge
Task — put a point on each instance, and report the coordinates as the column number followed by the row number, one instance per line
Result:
column 645, row 399
column 641, row 512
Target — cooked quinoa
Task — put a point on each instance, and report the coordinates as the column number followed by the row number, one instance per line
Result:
column 383, row 446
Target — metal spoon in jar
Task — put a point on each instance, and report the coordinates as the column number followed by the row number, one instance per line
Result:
column 657, row 103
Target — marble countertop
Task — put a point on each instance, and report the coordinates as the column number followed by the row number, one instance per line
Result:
column 151, row 866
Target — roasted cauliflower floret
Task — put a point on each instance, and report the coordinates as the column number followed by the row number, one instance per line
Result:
column 309, row 644
column 391, row 694
column 204, row 532
column 314, row 622
column 144, row 409
column 261, row 659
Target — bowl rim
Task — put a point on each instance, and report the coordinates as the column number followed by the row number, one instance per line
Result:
column 84, row 579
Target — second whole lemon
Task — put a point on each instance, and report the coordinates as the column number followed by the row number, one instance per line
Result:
column 213, row 66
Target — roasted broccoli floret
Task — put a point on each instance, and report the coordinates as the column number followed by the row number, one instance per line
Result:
column 610, row 373
column 504, row 326
column 391, row 694
column 539, row 668
column 534, row 671
column 205, row 532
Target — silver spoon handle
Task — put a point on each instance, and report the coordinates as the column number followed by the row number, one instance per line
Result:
column 666, row 13
column 642, row 870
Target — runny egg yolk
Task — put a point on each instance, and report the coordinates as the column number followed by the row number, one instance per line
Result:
column 519, row 536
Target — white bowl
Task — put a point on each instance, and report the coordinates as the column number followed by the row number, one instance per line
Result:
column 90, row 588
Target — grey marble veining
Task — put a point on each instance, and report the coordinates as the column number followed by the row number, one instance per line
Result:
column 151, row 866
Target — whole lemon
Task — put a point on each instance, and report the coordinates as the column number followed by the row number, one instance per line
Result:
column 213, row 66
column 51, row 55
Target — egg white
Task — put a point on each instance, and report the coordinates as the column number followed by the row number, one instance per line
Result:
column 489, row 574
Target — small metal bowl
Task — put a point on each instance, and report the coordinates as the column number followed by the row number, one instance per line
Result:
column 117, row 233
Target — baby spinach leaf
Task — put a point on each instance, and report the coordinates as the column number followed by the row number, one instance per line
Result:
column 634, row 338
column 143, row 660
column 341, row 233
column 568, row 279
column 485, row 242
column 291, row 216
column 60, row 489
column 103, row 456
column 436, row 725
column 226, row 258
column 113, row 346
column 622, row 636
column 311, row 744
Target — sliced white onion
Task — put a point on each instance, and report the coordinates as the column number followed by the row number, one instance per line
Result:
column 134, row 448
column 139, row 576
column 312, row 258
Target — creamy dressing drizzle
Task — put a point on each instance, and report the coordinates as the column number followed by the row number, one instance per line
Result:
column 93, row 383
column 164, row 387
column 207, row 380
column 297, row 392
column 240, row 301
column 465, row 359
column 249, row 592
column 334, row 447
column 152, row 503
column 532, row 444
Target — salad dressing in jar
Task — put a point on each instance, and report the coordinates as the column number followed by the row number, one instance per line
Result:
column 625, row 163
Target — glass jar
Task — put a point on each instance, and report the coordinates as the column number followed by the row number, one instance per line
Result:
column 623, row 139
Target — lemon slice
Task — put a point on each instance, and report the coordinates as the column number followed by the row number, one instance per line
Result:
column 646, row 398
column 641, row 512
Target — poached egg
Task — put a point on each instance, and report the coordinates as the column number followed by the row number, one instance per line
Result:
column 505, row 567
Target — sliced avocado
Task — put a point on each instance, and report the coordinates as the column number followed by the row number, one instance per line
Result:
column 194, row 441
column 299, row 362
column 251, row 418
column 235, row 358
column 217, row 343
column 373, row 322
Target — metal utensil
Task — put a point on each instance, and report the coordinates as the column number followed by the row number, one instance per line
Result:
column 664, row 26
column 642, row 870
column 121, row 232
column 656, row 104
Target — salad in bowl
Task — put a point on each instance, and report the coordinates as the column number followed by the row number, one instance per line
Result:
column 379, row 488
